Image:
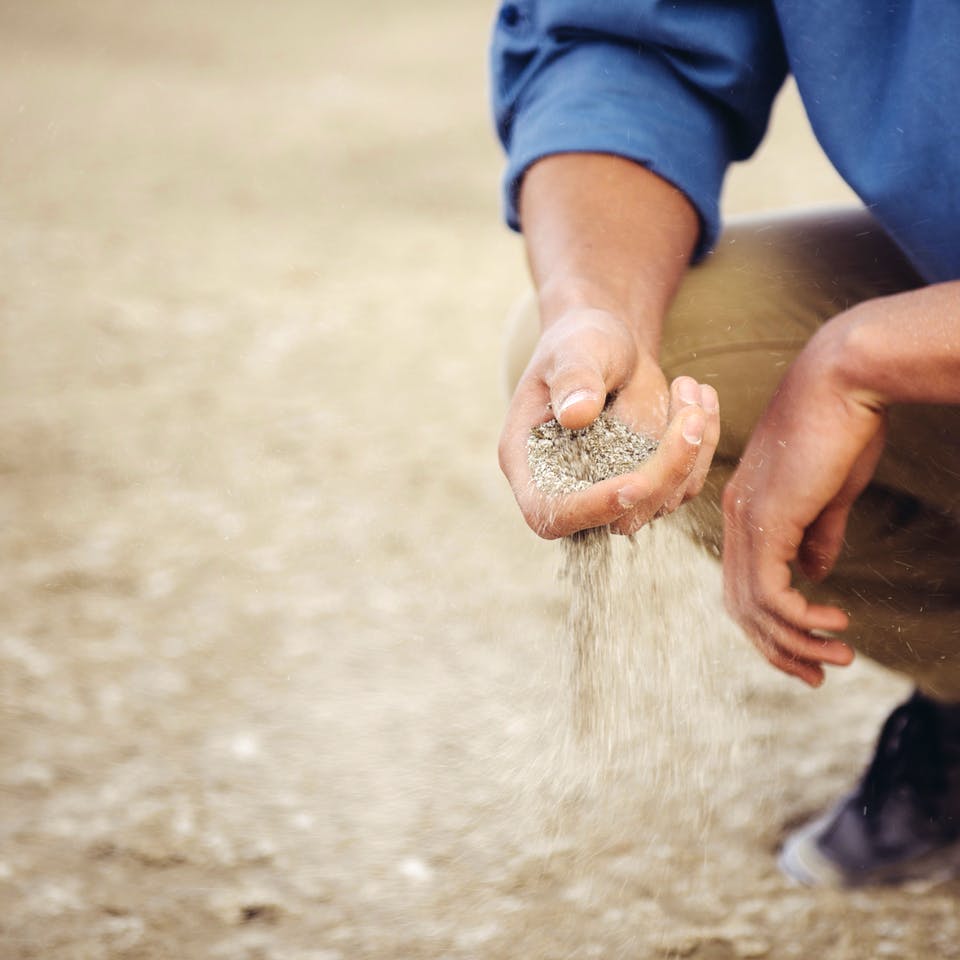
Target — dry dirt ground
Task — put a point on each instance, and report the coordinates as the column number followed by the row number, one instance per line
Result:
column 275, row 643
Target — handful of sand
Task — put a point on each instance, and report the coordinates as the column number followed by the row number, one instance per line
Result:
column 563, row 461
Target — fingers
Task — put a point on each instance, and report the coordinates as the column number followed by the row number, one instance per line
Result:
column 797, row 639
column 579, row 365
column 804, row 658
column 711, row 437
column 792, row 633
column 686, row 392
column 603, row 504
column 669, row 468
column 623, row 503
column 797, row 651
column 822, row 542
column 809, row 671
column 823, row 539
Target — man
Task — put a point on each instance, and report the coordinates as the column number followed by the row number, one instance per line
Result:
column 833, row 342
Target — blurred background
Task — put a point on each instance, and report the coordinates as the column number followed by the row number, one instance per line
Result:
column 271, row 626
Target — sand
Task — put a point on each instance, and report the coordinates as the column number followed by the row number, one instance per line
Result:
column 637, row 640
column 598, row 649
column 563, row 461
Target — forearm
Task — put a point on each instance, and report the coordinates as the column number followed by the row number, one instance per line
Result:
column 903, row 348
column 605, row 233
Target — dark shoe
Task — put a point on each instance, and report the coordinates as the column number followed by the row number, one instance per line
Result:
column 903, row 820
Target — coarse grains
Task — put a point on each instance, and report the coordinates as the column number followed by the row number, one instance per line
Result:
column 563, row 461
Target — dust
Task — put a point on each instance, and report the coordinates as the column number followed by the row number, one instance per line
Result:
column 648, row 703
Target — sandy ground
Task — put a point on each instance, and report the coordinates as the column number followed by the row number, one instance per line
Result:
column 275, row 643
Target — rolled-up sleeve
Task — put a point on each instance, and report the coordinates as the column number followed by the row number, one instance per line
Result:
column 684, row 88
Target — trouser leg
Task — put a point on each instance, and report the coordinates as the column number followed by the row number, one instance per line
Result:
column 737, row 322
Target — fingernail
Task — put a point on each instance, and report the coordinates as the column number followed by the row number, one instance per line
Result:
column 573, row 398
column 629, row 497
column 693, row 430
column 709, row 401
column 689, row 391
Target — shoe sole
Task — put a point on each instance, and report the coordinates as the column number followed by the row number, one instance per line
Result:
column 802, row 861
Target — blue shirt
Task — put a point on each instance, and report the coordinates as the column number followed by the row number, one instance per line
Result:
column 686, row 87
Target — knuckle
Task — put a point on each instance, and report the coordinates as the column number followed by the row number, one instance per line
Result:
column 641, row 493
column 625, row 527
column 695, row 486
column 572, row 364
column 672, row 502
column 682, row 470
column 637, row 521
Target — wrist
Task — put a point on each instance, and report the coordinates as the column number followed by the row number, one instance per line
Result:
column 580, row 300
column 848, row 356
column 904, row 348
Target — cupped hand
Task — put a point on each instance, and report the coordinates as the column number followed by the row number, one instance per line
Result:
column 581, row 359
column 812, row 453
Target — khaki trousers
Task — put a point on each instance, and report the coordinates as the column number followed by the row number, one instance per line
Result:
column 737, row 322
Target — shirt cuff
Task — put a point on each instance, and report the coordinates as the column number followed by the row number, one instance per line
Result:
column 607, row 98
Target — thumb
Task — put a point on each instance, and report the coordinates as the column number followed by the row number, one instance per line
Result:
column 590, row 356
column 577, row 393
column 823, row 540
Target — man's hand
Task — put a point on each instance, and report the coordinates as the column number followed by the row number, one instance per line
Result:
column 811, row 455
column 584, row 356
column 607, row 242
